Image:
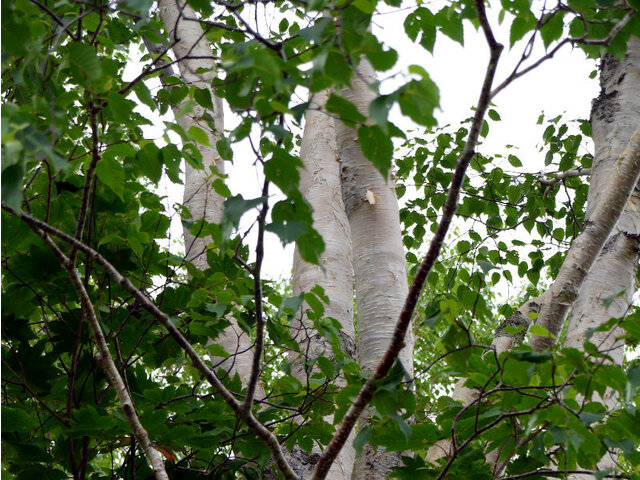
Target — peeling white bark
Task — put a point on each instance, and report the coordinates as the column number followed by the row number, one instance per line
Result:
column 614, row 118
column 197, row 67
column 321, row 187
column 378, row 255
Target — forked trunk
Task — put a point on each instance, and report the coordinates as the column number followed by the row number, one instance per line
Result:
column 608, row 290
column 378, row 256
column 320, row 186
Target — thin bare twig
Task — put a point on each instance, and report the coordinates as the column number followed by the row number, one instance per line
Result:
column 257, row 288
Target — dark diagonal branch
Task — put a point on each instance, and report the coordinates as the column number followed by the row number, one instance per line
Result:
column 258, row 428
column 105, row 358
column 397, row 341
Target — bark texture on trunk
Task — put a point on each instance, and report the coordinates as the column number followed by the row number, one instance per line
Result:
column 615, row 116
column 321, row 187
column 197, row 67
column 378, row 256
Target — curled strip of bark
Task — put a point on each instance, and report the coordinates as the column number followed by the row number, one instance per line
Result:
column 258, row 428
column 587, row 246
column 559, row 176
column 397, row 341
column 106, row 360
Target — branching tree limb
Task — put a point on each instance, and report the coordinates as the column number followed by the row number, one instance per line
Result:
column 258, row 428
column 105, row 358
column 587, row 246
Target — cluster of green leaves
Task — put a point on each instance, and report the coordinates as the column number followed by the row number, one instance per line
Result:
column 512, row 233
column 538, row 412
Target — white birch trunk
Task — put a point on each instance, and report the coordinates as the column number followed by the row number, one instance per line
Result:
column 378, row 256
column 197, row 67
column 614, row 118
column 321, row 187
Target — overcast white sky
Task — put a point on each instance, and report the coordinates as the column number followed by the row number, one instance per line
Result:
column 561, row 85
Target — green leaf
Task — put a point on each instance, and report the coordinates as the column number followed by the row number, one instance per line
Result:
column 120, row 107
column 110, row 172
column 377, row 147
column 450, row 23
column 367, row 6
column 149, row 160
column 363, row 437
column 203, row 97
column 346, row 110
column 531, row 357
column 514, row 161
column 242, row 131
column 85, row 64
column 144, row 95
column 402, row 424
column 520, row 27
column 287, row 231
column 198, row 135
column 551, row 30
column 486, row 266
column 540, row 331
column 12, row 185
column 282, row 170
column 16, row 420
column 379, row 110
column 223, row 146
column 418, row 99
column 235, row 207
column 326, row 367
column 634, row 376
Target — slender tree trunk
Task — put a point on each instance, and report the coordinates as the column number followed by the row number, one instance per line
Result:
column 378, row 256
column 197, row 67
column 614, row 118
column 321, row 187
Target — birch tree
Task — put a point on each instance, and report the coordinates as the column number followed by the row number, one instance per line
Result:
column 379, row 266
column 320, row 185
column 180, row 340
column 195, row 60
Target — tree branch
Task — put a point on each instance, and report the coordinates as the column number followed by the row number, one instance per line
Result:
column 258, row 428
column 368, row 389
column 106, row 360
column 554, row 178
column 257, row 288
column 587, row 246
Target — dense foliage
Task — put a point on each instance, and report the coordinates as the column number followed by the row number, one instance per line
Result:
column 75, row 156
